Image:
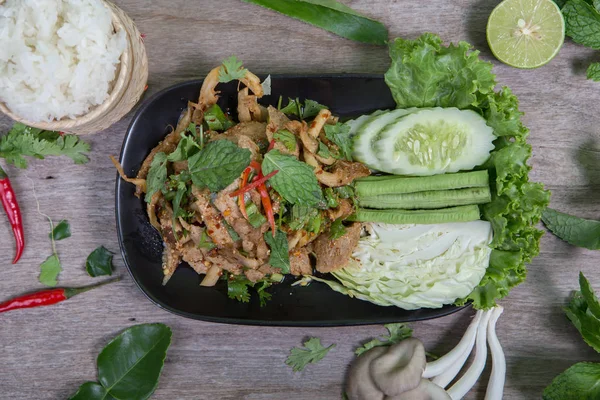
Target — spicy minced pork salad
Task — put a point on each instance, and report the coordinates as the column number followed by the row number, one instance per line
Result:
column 420, row 206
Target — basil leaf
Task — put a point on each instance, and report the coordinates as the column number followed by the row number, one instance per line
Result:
column 279, row 257
column 574, row 230
column 582, row 23
column 49, row 271
column 99, row 262
column 129, row 366
column 61, row 231
column 580, row 382
column 331, row 16
column 593, row 72
column 216, row 119
column 91, row 391
column 157, row 175
column 218, row 165
column 296, row 181
column 340, row 135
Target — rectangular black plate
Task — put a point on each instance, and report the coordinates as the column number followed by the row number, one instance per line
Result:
column 315, row 305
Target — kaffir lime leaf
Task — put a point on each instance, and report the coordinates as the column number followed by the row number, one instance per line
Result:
column 526, row 33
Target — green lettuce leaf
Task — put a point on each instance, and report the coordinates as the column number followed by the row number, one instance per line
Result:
column 425, row 73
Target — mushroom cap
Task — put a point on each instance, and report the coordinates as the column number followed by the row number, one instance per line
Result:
column 400, row 368
column 426, row 390
column 360, row 385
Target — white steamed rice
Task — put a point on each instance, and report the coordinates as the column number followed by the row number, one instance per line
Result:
column 57, row 57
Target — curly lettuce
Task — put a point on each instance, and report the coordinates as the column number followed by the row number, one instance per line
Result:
column 425, row 73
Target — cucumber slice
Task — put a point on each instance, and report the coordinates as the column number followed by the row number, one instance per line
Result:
column 356, row 124
column 435, row 141
column 364, row 139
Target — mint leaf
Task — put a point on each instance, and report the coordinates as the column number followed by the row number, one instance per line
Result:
column 99, row 262
column 231, row 70
column 589, row 296
column 218, row 164
column 340, row 135
column 312, row 352
column 61, row 231
column 582, row 23
column 296, row 181
column 574, row 230
column 337, row 229
column 593, row 72
column 50, row 270
column 579, row 382
column 582, row 311
column 286, row 138
column 397, row 333
column 331, row 16
column 279, row 257
column 157, row 175
column 216, row 119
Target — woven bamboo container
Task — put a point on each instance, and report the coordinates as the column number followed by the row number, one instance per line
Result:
column 126, row 89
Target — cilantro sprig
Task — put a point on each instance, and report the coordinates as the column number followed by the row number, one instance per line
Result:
column 396, row 333
column 238, row 289
column 231, row 69
column 312, row 352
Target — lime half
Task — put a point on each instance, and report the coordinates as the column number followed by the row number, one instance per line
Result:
column 526, row 33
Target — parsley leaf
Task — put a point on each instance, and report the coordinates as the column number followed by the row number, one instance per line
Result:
column 61, row 231
column 593, row 72
column 577, row 231
column 337, row 229
column 216, row 119
column 582, row 23
column 218, row 165
column 263, row 295
column 22, row 141
column 279, row 257
column 397, row 333
column 50, row 270
column 237, row 288
column 296, row 181
column 231, row 70
column 286, row 138
column 157, row 175
column 340, row 135
column 99, row 262
column 312, row 352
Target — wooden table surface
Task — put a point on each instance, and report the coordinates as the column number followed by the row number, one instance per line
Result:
column 47, row 353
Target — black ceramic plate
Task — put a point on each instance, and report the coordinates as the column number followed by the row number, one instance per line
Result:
column 141, row 246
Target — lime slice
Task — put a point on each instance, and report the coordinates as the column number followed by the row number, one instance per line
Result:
column 526, row 33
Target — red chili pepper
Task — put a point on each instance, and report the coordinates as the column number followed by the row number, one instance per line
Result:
column 241, row 201
column 266, row 202
column 11, row 206
column 46, row 297
column 255, row 184
column 271, row 145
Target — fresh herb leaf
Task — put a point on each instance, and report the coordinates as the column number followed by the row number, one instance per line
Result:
column 583, row 310
column 50, row 270
column 22, row 141
column 593, row 72
column 311, row 109
column 315, row 223
column 206, row 242
column 337, row 229
column 397, row 333
column 300, row 216
column 340, row 135
column 331, row 198
column 186, row 148
column 293, row 107
column 286, row 138
column 331, row 16
column 263, row 295
column 99, row 262
column 574, row 230
column 216, row 119
column 296, row 181
column 579, row 382
column 312, row 352
column 279, row 257
column 255, row 218
column 61, row 231
column 157, row 175
column 218, row 165
column 324, row 151
column 344, row 192
column 130, row 365
column 582, row 23
column 231, row 70
column 237, row 288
